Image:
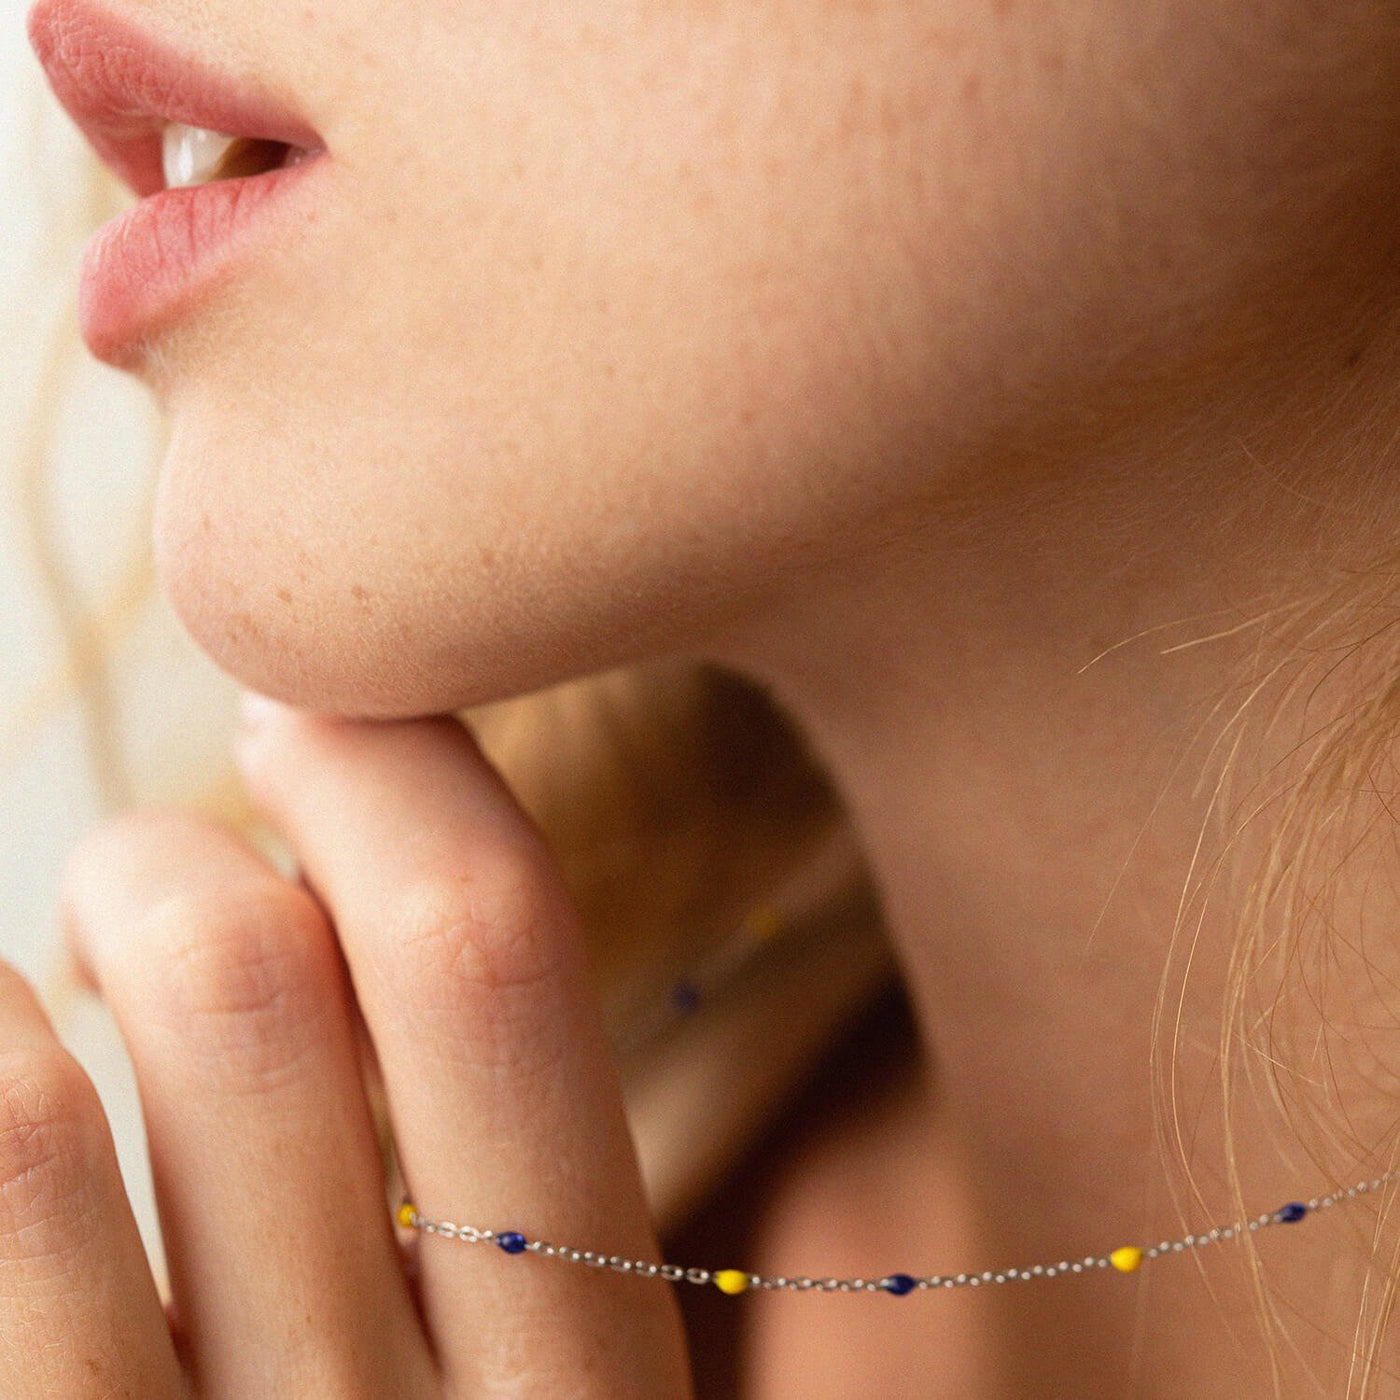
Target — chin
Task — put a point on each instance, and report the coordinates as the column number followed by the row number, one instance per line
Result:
column 321, row 613
column 316, row 656
column 322, row 663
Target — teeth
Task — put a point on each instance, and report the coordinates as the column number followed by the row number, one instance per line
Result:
column 191, row 154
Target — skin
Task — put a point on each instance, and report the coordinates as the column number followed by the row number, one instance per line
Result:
column 937, row 367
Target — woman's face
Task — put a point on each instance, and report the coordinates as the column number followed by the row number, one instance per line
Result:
column 617, row 322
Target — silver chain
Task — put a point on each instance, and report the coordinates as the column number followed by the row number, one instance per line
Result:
column 738, row 1281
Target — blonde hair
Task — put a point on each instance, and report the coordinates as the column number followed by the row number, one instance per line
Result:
column 677, row 799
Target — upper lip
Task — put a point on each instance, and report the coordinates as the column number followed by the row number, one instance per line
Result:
column 123, row 87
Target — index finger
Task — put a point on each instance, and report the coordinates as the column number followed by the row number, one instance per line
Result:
column 469, row 966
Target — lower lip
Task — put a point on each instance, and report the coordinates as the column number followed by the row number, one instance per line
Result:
column 149, row 267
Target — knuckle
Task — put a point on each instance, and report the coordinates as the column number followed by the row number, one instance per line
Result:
column 475, row 947
column 50, row 1124
column 487, row 929
column 243, row 979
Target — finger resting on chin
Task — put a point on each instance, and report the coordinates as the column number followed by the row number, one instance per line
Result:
column 469, row 966
column 80, row 1315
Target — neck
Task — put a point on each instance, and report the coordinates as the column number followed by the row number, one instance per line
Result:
column 1067, row 725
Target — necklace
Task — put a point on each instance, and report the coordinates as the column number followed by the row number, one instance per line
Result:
column 760, row 929
column 1126, row 1258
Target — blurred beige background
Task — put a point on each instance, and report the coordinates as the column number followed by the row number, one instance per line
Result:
column 72, row 523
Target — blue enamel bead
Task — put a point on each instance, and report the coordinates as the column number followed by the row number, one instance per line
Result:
column 898, row 1284
column 1294, row 1210
column 685, row 998
column 513, row 1242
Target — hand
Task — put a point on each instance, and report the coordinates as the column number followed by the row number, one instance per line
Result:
column 430, row 908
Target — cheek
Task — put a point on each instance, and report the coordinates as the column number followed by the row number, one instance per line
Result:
column 583, row 359
column 561, row 397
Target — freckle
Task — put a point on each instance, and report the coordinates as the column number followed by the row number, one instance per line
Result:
column 285, row 594
column 360, row 595
column 972, row 87
column 243, row 625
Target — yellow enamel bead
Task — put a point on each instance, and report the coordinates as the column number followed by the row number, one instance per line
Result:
column 1126, row 1259
column 764, row 922
column 732, row 1281
column 406, row 1215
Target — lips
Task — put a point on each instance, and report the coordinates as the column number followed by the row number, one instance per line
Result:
column 123, row 86
column 153, row 265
